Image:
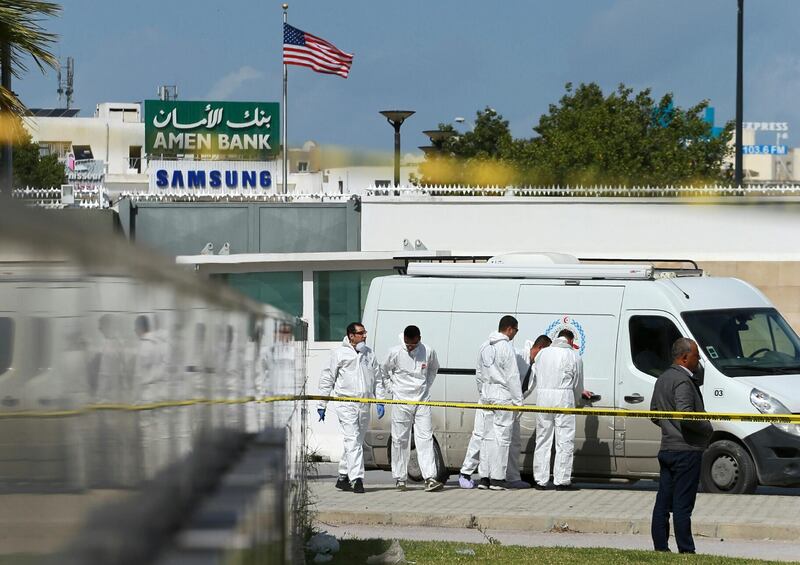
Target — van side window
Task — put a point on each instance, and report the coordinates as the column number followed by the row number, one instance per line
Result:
column 651, row 342
column 6, row 343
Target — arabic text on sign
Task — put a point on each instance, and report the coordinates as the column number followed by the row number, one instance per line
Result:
column 257, row 118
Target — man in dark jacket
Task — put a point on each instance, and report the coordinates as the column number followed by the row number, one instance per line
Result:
column 682, row 446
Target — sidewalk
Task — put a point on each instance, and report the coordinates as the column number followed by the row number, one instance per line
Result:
column 601, row 511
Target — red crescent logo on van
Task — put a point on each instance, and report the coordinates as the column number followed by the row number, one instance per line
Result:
column 567, row 322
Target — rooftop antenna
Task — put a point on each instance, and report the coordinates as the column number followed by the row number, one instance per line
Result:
column 65, row 83
column 168, row 92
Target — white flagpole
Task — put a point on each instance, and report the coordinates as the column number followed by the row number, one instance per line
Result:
column 283, row 125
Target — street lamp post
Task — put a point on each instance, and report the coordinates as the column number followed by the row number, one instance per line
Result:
column 738, row 177
column 396, row 119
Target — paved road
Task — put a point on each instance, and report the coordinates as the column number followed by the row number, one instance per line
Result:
column 773, row 550
column 616, row 510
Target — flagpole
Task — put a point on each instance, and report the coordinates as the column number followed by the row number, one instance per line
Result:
column 285, row 147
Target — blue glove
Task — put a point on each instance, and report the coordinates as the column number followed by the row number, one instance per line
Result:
column 321, row 412
column 381, row 410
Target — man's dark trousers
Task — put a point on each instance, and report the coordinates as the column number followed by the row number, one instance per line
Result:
column 677, row 491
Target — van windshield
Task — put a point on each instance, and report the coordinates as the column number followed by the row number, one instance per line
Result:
column 746, row 342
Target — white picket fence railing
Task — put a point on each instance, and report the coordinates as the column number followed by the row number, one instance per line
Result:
column 588, row 191
column 84, row 195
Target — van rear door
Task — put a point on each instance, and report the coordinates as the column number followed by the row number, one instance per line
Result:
column 426, row 304
column 478, row 306
column 592, row 312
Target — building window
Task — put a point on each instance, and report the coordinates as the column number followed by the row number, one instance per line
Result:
column 82, row 152
column 339, row 298
column 6, row 344
column 283, row 290
column 135, row 158
column 651, row 343
column 302, row 167
column 383, row 183
column 58, row 148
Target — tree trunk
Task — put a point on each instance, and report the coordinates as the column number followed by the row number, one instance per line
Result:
column 6, row 167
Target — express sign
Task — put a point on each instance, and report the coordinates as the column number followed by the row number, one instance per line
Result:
column 230, row 129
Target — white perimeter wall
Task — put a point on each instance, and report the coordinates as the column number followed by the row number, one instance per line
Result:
column 726, row 228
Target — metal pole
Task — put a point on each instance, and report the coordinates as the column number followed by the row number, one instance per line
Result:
column 6, row 154
column 397, row 152
column 283, row 125
column 738, row 177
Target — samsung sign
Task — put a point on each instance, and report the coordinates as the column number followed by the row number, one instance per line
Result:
column 236, row 130
column 220, row 177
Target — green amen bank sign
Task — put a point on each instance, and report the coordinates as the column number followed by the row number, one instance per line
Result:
column 247, row 130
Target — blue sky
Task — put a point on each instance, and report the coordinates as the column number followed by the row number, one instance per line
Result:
column 442, row 58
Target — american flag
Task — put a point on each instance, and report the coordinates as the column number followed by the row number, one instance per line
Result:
column 306, row 50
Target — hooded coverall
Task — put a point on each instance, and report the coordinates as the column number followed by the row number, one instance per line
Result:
column 559, row 378
column 352, row 373
column 409, row 375
column 499, row 373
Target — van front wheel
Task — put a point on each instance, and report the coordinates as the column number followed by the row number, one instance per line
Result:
column 728, row 468
column 415, row 473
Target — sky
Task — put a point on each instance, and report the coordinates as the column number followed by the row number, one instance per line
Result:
column 441, row 58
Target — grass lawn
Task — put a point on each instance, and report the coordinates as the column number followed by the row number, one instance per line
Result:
column 424, row 552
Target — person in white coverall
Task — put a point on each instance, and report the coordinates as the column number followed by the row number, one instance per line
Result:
column 352, row 371
column 525, row 360
column 409, row 372
column 559, row 380
column 497, row 365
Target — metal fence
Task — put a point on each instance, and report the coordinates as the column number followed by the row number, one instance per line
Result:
column 128, row 406
column 589, row 191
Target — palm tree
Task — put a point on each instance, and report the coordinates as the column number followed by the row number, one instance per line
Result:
column 21, row 37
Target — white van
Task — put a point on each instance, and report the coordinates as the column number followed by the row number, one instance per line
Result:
column 625, row 319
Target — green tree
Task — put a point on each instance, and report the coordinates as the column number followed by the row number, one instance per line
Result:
column 489, row 139
column 588, row 138
column 22, row 37
column 31, row 169
column 474, row 158
column 624, row 139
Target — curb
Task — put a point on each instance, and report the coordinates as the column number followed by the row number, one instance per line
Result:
column 566, row 524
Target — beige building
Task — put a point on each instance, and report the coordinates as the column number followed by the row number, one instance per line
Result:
column 109, row 148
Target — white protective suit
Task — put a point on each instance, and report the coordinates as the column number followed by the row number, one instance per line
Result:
column 352, row 373
column 498, row 371
column 472, row 458
column 410, row 376
column 559, row 381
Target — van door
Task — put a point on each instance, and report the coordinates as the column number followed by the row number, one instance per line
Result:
column 478, row 306
column 646, row 339
column 426, row 305
column 592, row 313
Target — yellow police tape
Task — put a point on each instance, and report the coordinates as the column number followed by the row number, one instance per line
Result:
column 715, row 416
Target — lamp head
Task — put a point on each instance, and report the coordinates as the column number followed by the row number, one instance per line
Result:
column 396, row 116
